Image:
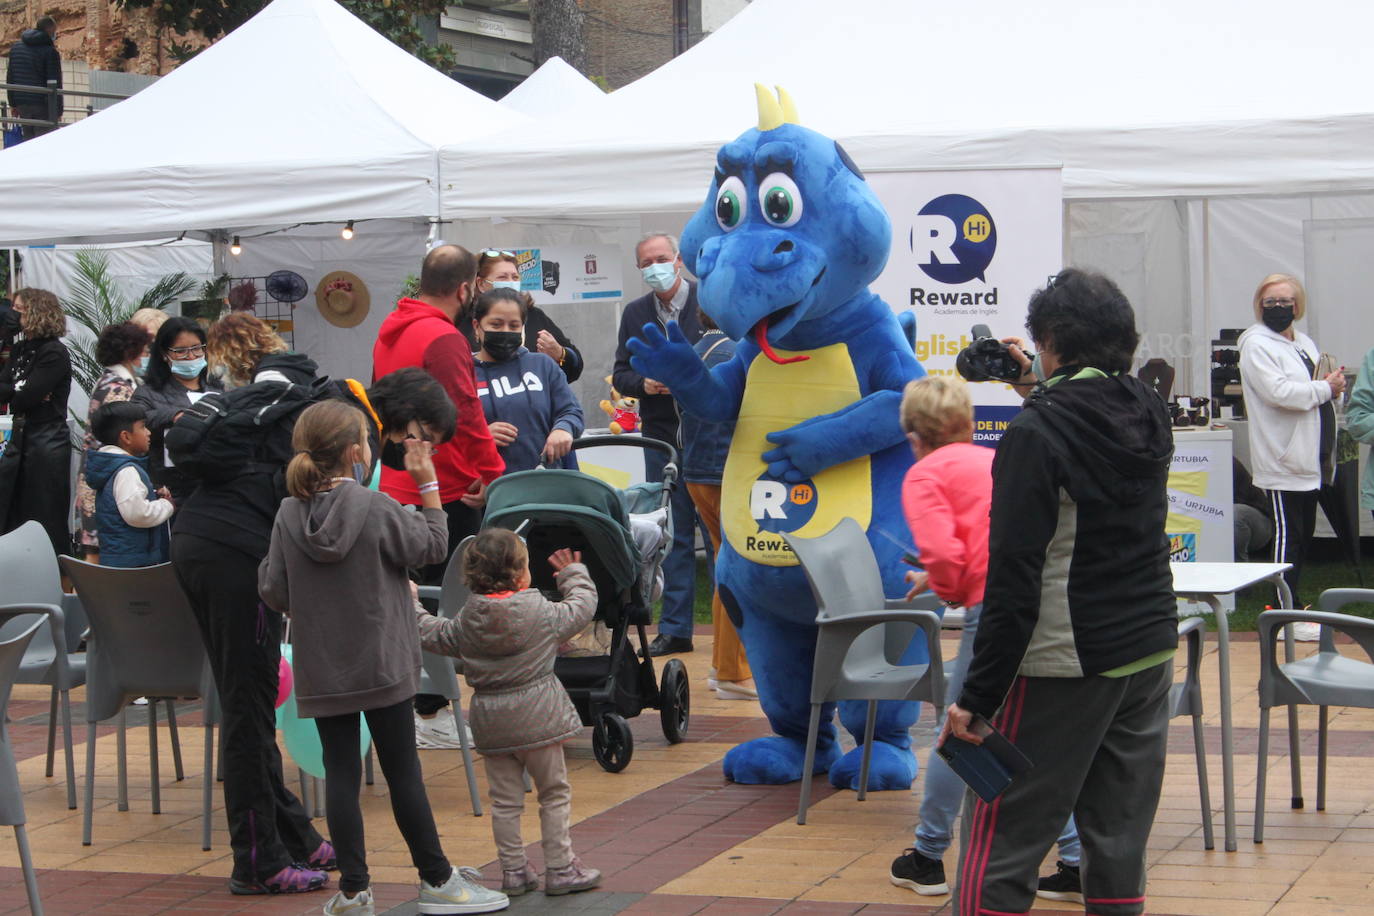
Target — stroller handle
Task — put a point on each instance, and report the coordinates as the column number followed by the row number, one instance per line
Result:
column 633, row 441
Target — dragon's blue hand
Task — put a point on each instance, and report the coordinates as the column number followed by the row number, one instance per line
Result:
column 793, row 460
column 669, row 359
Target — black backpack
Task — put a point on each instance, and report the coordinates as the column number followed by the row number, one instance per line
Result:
column 247, row 430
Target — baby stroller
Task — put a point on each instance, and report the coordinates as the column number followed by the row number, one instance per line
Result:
column 553, row 508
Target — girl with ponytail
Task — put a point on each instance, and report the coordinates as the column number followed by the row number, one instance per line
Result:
column 337, row 565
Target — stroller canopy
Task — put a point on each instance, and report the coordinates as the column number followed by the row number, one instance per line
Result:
column 560, row 497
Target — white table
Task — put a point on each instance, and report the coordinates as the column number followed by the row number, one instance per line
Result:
column 1205, row 582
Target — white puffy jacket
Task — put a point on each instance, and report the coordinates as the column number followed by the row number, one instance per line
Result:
column 1281, row 401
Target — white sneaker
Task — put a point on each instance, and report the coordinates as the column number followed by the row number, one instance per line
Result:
column 358, row 905
column 441, row 731
column 711, row 681
column 1306, row 631
column 460, row 894
column 736, row 690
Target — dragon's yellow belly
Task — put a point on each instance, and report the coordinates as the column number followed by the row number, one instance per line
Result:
column 756, row 508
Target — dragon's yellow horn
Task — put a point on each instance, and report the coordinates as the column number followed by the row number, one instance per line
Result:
column 789, row 107
column 770, row 112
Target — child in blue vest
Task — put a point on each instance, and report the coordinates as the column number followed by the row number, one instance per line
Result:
column 131, row 516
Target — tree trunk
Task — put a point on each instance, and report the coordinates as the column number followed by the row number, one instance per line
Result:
column 557, row 28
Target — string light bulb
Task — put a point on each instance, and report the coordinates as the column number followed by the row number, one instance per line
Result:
column 347, row 232
column 235, row 248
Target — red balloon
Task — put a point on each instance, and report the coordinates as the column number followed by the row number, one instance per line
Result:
column 285, row 682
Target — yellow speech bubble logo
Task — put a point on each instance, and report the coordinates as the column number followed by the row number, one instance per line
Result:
column 977, row 228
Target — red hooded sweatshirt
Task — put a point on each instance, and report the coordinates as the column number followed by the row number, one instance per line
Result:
column 418, row 334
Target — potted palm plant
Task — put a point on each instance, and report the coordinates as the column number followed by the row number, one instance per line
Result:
column 96, row 300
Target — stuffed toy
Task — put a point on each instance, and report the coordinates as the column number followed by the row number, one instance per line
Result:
column 785, row 246
column 623, row 411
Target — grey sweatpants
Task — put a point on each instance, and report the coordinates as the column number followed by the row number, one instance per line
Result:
column 1098, row 746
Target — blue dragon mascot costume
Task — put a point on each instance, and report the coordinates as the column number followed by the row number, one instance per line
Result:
column 784, row 248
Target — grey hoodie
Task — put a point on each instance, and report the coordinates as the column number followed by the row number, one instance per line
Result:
column 337, row 565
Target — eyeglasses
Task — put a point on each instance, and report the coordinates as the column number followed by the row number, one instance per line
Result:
column 1278, row 303
column 497, row 253
column 186, row 352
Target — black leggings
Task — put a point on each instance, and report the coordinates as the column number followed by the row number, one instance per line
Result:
column 268, row 827
column 393, row 735
column 1295, row 516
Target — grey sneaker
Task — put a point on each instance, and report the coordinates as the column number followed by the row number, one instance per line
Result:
column 460, row 894
column 358, row 905
column 515, row 882
column 570, row 879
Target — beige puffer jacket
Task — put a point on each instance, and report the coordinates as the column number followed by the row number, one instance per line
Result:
column 508, row 647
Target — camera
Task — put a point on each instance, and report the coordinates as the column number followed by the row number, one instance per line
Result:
column 987, row 359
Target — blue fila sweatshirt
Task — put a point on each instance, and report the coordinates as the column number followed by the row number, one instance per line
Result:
column 530, row 392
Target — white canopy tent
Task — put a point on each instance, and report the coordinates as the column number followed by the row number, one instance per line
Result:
column 303, row 114
column 555, row 88
column 1199, row 141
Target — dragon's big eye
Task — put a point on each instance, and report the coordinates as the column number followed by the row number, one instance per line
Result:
column 780, row 200
column 730, row 203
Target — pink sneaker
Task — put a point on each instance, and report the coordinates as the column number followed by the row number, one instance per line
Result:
column 570, row 879
column 324, row 858
column 293, row 879
column 515, row 882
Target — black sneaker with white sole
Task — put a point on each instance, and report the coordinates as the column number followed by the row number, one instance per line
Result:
column 1064, row 884
column 918, row 873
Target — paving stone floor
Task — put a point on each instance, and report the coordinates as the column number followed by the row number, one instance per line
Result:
column 673, row 838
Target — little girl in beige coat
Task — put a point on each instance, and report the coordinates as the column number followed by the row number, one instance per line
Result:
column 508, row 636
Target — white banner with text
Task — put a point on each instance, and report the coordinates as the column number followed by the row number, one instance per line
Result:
column 969, row 247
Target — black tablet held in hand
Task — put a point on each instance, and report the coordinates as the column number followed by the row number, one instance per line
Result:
column 987, row 768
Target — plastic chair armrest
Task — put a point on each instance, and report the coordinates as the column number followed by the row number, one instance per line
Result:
column 927, row 620
column 1360, row 629
column 430, row 592
column 926, row 601
column 57, row 623
column 8, row 611
column 1333, row 599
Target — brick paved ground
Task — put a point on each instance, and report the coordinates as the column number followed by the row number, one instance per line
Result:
column 673, row 838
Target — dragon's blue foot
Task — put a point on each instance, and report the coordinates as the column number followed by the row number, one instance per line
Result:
column 773, row 760
column 891, row 768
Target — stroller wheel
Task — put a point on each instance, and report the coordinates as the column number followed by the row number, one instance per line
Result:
column 612, row 743
column 675, row 698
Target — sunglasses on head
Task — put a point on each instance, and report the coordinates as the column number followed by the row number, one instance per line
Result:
column 497, row 253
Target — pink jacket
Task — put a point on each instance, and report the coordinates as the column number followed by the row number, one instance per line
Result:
column 946, row 497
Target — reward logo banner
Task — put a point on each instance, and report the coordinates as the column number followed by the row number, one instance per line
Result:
column 969, row 247
column 954, row 239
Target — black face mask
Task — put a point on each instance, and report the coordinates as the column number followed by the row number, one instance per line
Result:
column 1277, row 318
column 394, row 455
column 502, row 345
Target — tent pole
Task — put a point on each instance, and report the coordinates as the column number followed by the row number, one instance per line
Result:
column 219, row 250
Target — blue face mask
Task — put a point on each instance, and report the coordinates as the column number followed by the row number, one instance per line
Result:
column 660, row 277
column 188, row 368
column 1038, row 368
column 506, row 284
column 142, row 366
column 360, row 473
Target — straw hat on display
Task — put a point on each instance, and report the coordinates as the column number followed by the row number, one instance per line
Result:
column 342, row 299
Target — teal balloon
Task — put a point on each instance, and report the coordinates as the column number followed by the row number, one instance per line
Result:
column 302, row 738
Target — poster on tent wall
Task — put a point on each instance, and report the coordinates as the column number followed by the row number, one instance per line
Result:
column 969, row 247
column 569, row 273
